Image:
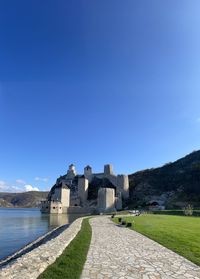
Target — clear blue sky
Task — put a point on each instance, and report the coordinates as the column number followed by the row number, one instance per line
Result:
column 95, row 82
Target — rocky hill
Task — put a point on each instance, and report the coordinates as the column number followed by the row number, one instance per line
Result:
column 26, row 199
column 173, row 185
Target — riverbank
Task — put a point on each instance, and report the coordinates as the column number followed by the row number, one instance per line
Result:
column 32, row 245
column 30, row 265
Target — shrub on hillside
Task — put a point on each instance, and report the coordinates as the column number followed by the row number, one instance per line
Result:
column 188, row 210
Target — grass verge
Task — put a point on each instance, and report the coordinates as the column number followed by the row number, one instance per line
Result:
column 178, row 233
column 70, row 264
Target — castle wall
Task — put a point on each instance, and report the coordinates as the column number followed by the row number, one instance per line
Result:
column 79, row 210
column 75, row 201
column 51, row 207
column 118, row 201
column 70, row 175
column 56, row 196
column 45, row 206
column 55, row 207
column 112, row 178
column 98, row 175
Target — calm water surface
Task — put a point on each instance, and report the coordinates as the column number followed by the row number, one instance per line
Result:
column 20, row 226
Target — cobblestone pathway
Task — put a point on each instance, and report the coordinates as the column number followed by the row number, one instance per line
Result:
column 120, row 253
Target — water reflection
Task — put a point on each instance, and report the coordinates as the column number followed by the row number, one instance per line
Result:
column 20, row 226
column 62, row 219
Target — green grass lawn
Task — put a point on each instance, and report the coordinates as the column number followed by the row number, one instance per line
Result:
column 70, row 264
column 178, row 233
column 176, row 212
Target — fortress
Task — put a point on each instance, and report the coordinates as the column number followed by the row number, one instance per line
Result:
column 87, row 193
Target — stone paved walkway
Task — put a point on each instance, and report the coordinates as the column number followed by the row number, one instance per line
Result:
column 120, row 253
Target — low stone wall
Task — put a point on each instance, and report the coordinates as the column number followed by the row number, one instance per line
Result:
column 33, row 263
column 79, row 210
column 32, row 245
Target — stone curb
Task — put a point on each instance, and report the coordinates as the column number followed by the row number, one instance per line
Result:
column 29, row 246
column 33, row 263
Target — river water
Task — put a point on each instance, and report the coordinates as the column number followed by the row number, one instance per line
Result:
column 20, row 226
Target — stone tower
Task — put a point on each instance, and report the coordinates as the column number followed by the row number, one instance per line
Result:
column 87, row 171
column 61, row 194
column 72, row 169
column 83, row 184
column 71, row 173
column 108, row 169
column 65, row 196
column 123, row 185
column 106, row 199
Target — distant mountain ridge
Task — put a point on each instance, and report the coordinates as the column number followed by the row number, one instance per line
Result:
column 173, row 185
column 26, row 199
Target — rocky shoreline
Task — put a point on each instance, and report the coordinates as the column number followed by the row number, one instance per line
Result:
column 34, row 258
column 32, row 245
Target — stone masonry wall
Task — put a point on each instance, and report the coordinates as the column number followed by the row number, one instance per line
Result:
column 32, row 264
